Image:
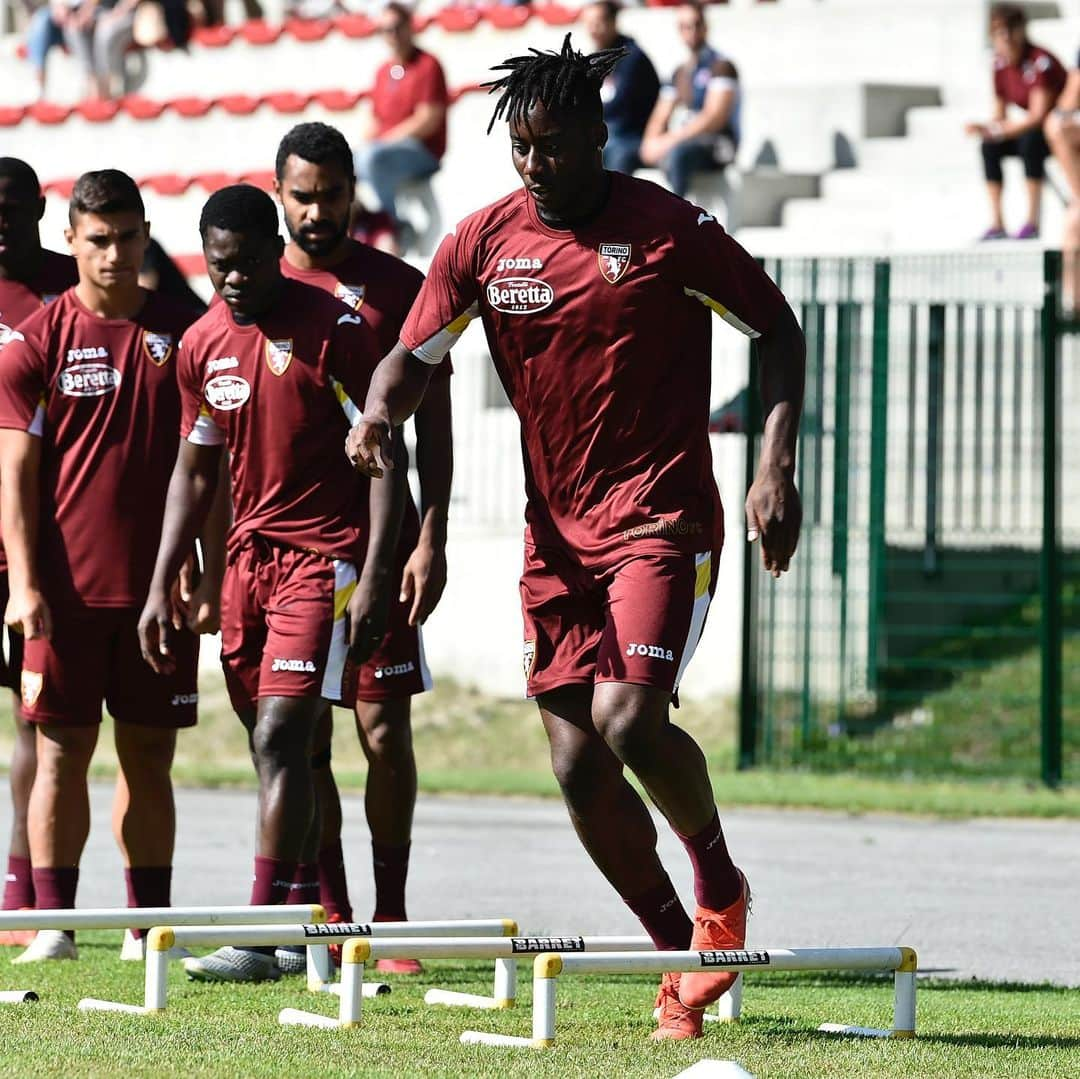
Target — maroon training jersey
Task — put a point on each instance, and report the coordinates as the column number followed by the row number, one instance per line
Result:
column 279, row 393
column 1037, row 68
column 101, row 394
column 20, row 299
column 601, row 336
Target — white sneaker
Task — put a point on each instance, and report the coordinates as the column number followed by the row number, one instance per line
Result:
column 49, row 944
column 134, row 949
column 233, row 965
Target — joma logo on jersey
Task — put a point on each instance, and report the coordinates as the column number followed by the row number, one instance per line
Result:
column 520, row 295
column 650, row 651
column 279, row 355
column 98, row 353
column 158, row 347
column 7, row 335
column 222, row 364
column 353, row 295
column 518, row 264
column 394, row 671
column 227, row 392
column 88, row 380
column 297, row 666
column 614, row 261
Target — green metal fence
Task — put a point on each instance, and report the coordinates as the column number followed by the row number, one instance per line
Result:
column 932, row 602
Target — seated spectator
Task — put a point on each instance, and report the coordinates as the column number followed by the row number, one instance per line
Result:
column 1031, row 79
column 406, row 136
column 44, row 32
column 98, row 34
column 629, row 93
column 695, row 124
column 1062, row 130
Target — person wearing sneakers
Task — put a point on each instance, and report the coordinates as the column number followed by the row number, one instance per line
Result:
column 30, row 277
column 1029, row 78
column 88, row 389
column 270, row 374
column 595, row 290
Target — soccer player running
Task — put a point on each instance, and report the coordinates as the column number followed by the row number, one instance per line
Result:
column 88, row 403
column 315, row 183
column 603, row 346
column 270, row 375
column 30, row 277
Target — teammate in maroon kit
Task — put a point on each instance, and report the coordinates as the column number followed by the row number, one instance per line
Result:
column 315, row 184
column 595, row 291
column 30, row 277
column 270, row 374
column 88, row 398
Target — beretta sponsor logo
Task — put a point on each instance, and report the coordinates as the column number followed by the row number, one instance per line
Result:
column 338, row 929
column 735, row 959
column 535, row 945
column 227, row 392
column 520, row 295
column 88, row 380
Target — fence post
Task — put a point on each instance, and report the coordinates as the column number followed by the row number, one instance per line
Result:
column 1050, row 560
column 748, row 696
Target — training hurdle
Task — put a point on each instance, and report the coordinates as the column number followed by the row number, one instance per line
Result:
column 143, row 917
column 315, row 937
column 548, row 968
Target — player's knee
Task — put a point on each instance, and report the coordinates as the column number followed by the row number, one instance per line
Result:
column 281, row 739
column 628, row 730
column 385, row 730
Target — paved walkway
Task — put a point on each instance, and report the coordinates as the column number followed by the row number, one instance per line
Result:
column 984, row 898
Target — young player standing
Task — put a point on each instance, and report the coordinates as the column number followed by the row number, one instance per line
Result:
column 315, row 184
column 30, row 277
column 270, row 375
column 88, row 403
column 603, row 346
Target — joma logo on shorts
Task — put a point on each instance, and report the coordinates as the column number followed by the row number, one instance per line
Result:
column 180, row 699
column 300, row 666
column 392, row 672
column 651, row 651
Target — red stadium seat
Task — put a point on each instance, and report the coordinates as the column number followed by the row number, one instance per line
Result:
column 11, row 117
column 191, row 106
column 60, row 188
column 47, row 113
column 337, row 100
column 214, row 37
column 286, row 101
column 238, row 104
column 456, row 20
column 308, row 29
column 141, row 108
column 508, row 18
column 264, row 179
column 213, row 181
column 354, row 25
column 190, row 265
column 557, row 15
column 97, row 112
column 166, row 183
column 259, row 32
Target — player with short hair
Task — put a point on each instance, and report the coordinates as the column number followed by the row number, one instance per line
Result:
column 603, row 347
column 315, row 182
column 88, row 402
column 270, row 375
column 30, row 277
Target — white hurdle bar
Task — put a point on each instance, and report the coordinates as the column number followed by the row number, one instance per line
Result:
column 547, row 969
column 145, row 917
column 315, row 937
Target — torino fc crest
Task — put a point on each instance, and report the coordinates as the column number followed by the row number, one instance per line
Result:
column 614, row 261
column 353, row 295
column 279, row 355
column 32, row 682
column 158, row 347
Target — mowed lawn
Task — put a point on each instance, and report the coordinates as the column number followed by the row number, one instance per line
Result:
column 972, row 1030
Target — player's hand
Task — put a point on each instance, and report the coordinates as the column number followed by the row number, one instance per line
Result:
column 28, row 613
column 423, row 581
column 204, row 607
column 774, row 515
column 978, row 130
column 156, row 633
column 366, row 617
column 366, row 443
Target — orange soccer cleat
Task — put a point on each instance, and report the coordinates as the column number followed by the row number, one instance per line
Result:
column 715, row 930
column 676, row 1021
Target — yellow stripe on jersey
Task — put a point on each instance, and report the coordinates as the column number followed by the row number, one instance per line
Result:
column 704, row 576
column 435, row 348
column 723, row 312
column 352, row 413
column 341, row 599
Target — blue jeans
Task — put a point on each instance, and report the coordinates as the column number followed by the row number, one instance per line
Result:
column 41, row 35
column 695, row 156
column 388, row 165
column 621, row 153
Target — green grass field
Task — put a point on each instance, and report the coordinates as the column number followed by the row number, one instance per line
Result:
column 965, row 1029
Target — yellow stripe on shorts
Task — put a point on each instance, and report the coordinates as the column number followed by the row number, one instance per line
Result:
column 704, row 576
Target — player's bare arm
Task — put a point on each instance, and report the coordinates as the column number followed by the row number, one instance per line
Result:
column 397, row 388
column 370, row 602
column 204, row 609
column 191, row 493
column 20, row 461
column 424, row 576
column 773, row 507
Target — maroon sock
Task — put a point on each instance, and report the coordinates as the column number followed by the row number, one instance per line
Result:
column 391, row 868
column 19, row 884
column 333, row 889
column 148, row 886
column 273, row 881
column 717, row 883
column 305, row 885
column 661, row 913
column 54, row 888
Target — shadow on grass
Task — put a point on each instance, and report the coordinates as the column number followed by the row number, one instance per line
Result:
column 1002, row 1041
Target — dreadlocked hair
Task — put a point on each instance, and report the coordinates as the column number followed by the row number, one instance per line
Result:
column 563, row 81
